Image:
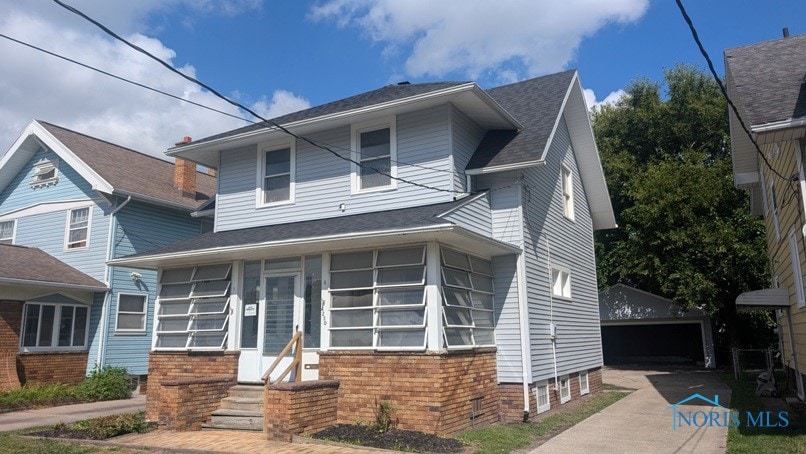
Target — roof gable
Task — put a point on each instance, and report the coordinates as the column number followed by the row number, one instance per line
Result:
column 108, row 168
column 622, row 302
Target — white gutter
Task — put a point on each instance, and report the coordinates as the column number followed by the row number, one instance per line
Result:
column 154, row 200
column 29, row 282
column 505, row 167
column 774, row 126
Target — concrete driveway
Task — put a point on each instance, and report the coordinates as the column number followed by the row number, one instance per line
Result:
column 642, row 421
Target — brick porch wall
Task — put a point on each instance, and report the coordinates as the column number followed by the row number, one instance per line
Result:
column 301, row 407
column 52, row 367
column 512, row 395
column 428, row 392
column 174, row 366
column 186, row 404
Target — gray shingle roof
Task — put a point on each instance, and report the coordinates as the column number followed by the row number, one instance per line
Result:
column 422, row 216
column 536, row 104
column 130, row 170
column 40, row 266
column 381, row 95
column 769, row 78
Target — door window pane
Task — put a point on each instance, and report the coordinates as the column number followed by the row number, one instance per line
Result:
column 251, row 302
column 313, row 302
column 279, row 314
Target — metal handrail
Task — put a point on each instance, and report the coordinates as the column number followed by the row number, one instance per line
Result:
column 296, row 364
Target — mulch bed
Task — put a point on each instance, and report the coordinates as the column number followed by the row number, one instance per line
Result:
column 399, row 440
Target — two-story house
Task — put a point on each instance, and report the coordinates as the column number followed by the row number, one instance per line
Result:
column 433, row 243
column 767, row 83
column 74, row 202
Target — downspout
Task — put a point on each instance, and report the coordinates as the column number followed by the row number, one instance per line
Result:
column 110, row 246
column 523, row 306
column 552, row 328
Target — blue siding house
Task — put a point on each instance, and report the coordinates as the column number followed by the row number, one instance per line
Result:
column 84, row 201
column 432, row 243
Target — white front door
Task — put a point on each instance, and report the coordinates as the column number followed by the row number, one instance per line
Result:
column 268, row 325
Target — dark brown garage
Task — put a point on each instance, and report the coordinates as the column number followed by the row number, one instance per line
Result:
column 667, row 343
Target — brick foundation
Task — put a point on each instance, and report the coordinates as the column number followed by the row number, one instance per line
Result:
column 512, row 395
column 428, row 392
column 173, row 367
column 186, row 404
column 52, row 367
column 301, row 407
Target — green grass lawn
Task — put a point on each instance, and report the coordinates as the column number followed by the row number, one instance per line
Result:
column 505, row 438
column 14, row 442
column 743, row 439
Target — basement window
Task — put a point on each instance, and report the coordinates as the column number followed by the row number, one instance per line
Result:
column 543, row 401
column 584, row 386
column 565, row 390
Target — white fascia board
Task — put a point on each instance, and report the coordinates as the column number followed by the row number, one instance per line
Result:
column 86, row 172
column 505, row 167
column 316, row 122
column 153, row 200
column 62, row 285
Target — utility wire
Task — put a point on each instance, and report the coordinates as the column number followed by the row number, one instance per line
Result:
column 123, row 79
column 723, row 89
column 241, row 106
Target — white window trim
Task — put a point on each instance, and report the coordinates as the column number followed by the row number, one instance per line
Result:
column 564, row 379
column 55, row 336
column 67, row 229
column 545, row 385
column 13, row 237
column 584, row 389
column 562, row 270
column 567, row 188
column 355, row 133
column 144, row 313
column 797, row 270
column 261, row 173
column 46, row 164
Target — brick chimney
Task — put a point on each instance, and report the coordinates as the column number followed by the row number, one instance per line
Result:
column 185, row 177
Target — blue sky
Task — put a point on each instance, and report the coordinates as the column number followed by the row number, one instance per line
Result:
column 280, row 56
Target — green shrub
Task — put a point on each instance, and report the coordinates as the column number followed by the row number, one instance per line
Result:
column 112, row 426
column 109, row 383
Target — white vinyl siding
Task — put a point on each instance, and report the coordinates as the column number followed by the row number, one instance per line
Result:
column 374, row 147
column 797, row 272
column 54, row 327
column 132, row 312
column 78, row 228
column 377, row 299
column 193, row 308
column 7, row 232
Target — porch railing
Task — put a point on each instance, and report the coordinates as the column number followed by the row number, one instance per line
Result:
column 296, row 364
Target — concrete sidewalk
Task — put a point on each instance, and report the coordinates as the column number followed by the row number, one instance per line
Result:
column 642, row 421
column 69, row 413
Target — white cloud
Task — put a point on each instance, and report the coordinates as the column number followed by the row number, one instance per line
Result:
column 476, row 37
column 37, row 86
column 282, row 102
column 611, row 99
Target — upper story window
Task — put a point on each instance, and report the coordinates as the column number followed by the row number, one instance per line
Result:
column 78, row 228
column 45, row 174
column 375, row 151
column 54, row 326
column 7, row 232
column 568, row 192
column 561, row 283
column 276, row 183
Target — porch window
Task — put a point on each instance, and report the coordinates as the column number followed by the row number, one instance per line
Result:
column 193, row 307
column 378, row 299
column 467, row 300
column 54, row 327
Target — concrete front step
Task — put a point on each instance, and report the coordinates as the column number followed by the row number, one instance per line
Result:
column 242, row 409
column 251, row 391
column 242, row 403
column 241, row 424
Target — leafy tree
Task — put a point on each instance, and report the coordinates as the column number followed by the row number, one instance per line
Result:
column 684, row 231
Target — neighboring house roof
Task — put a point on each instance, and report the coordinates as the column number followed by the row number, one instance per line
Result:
column 770, row 79
column 622, row 302
column 31, row 266
column 398, row 222
column 110, row 168
column 536, row 103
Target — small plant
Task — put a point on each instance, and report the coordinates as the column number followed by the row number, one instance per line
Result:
column 384, row 420
column 109, row 383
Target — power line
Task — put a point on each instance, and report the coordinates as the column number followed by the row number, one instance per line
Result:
column 123, row 79
column 241, row 106
column 723, row 89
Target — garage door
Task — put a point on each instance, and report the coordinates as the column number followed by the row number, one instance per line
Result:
column 673, row 343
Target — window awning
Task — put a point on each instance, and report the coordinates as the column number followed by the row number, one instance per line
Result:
column 770, row 298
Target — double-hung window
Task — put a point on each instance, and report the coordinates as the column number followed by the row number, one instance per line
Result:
column 377, row 299
column 54, row 327
column 375, row 151
column 467, row 300
column 131, row 316
column 568, row 192
column 78, row 228
column 277, row 175
column 193, row 307
column 7, row 232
